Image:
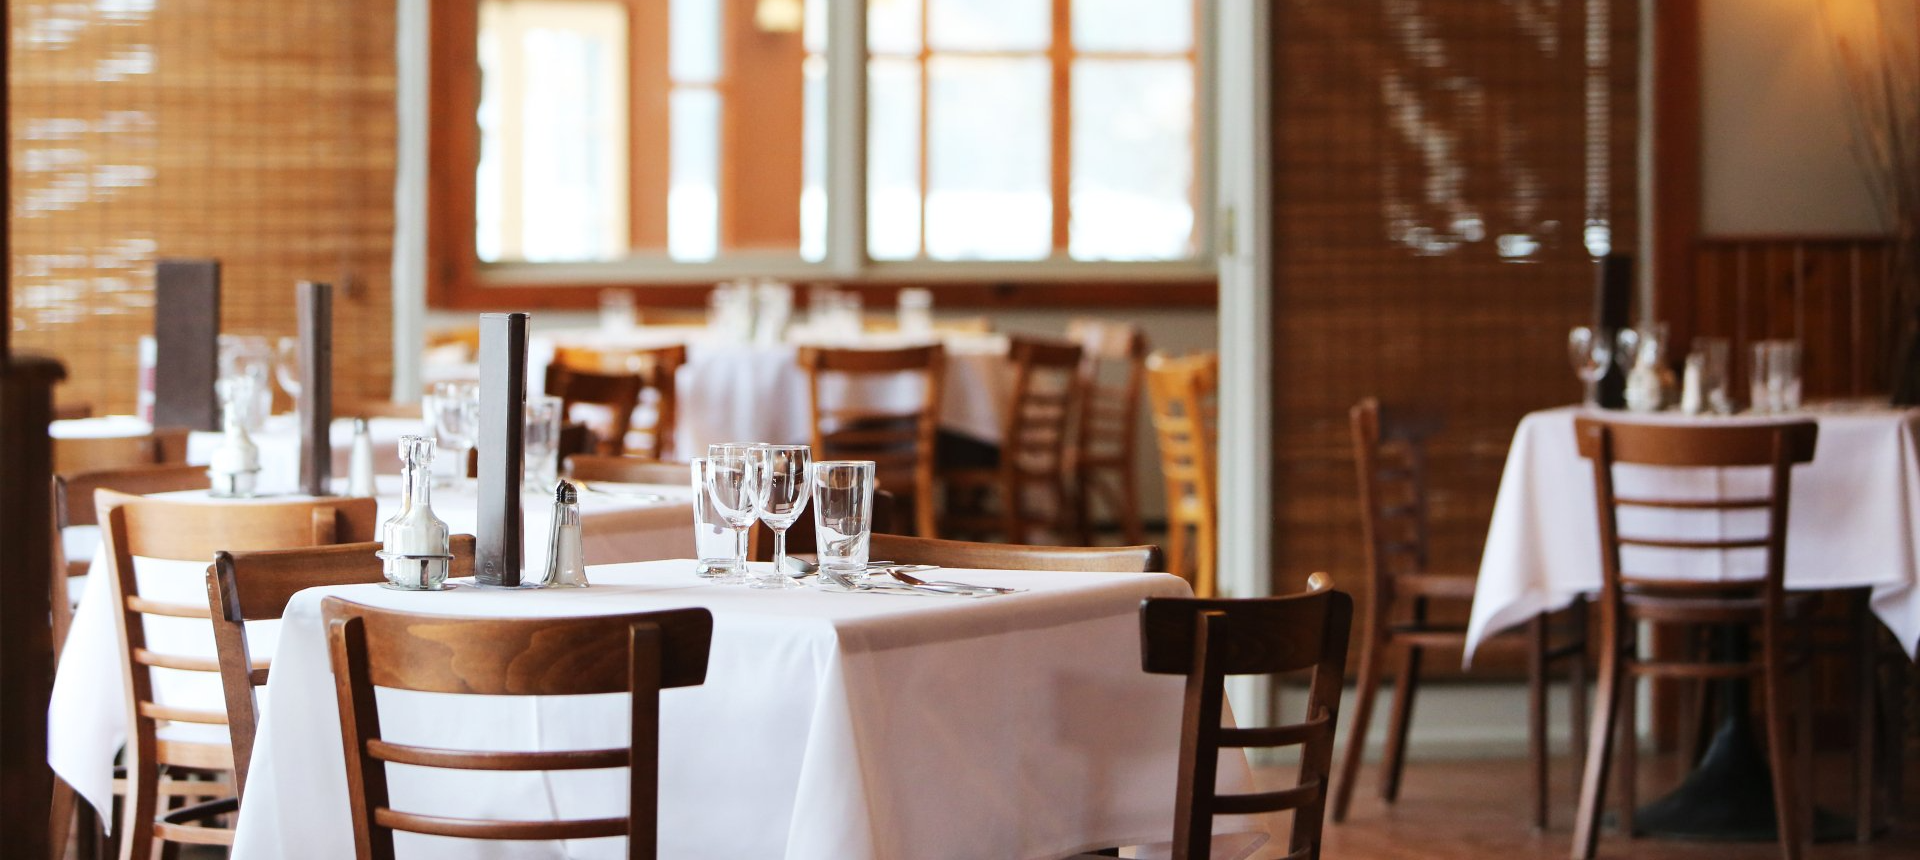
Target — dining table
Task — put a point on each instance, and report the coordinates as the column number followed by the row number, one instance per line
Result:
column 842, row 725
column 87, row 719
column 1854, row 512
column 734, row 389
column 278, row 439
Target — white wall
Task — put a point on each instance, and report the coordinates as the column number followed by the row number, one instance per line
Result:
column 1777, row 154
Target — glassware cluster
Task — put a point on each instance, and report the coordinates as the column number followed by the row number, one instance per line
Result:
column 453, row 412
column 1774, row 376
column 1774, row 381
column 737, row 484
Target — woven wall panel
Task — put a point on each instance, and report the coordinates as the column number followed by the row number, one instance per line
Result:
column 1410, row 136
column 261, row 134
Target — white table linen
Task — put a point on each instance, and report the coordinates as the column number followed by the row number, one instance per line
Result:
column 840, row 726
column 730, row 391
column 87, row 713
column 1852, row 518
column 278, row 440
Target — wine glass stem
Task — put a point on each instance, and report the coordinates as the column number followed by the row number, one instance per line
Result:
column 780, row 550
column 1593, row 392
column 740, row 549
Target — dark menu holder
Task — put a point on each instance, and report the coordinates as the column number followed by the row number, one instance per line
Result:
column 502, row 452
column 186, row 344
column 1612, row 301
column 314, row 302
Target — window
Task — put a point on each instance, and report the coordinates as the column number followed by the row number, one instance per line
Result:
column 636, row 141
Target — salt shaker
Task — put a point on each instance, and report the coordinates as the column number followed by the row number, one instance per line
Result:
column 1692, row 397
column 566, row 564
column 234, row 468
column 360, row 466
column 416, row 546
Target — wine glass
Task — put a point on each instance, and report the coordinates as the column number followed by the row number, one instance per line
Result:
column 286, row 367
column 1591, row 352
column 455, row 410
column 781, row 489
column 732, row 492
column 542, row 442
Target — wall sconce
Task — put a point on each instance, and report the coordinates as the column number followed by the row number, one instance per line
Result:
column 779, row 16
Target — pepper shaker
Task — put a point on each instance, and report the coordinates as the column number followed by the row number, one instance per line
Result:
column 566, row 564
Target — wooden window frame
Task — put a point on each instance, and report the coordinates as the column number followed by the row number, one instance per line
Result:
column 458, row 280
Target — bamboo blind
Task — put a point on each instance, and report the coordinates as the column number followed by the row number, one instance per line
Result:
column 260, row 134
column 1411, row 135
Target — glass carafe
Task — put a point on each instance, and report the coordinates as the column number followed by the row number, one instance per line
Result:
column 416, row 546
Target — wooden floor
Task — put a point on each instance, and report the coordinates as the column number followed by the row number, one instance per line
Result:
column 1478, row 810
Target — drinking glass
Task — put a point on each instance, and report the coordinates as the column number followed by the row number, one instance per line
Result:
column 617, row 312
column 731, row 491
column 542, row 441
column 1590, row 351
column 1783, row 375
column 1711, row 352
column 250, row 356
column 780, row 494
column 916, row 312
column 843, row 515
column 454, row 408
column 713, row 539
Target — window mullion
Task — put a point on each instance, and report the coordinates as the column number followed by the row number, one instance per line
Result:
column 1060, row 55
column 846, row 137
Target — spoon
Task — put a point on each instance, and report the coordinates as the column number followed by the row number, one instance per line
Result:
column 910, row 579
column 800, row 568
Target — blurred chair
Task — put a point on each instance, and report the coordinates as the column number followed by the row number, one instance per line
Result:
column 658, row 368
column 1762, row 606
column 93, row 454
column 1207, row 640
column 255, row 586
column 1003, row 494
column 472, row 656
column 1002, row 556
column 376, row 408
column 1183, row 392
column 160, row 736
column 72, row 411
column 1390, row 458
column 627, row 470
column 1106, row 436
column 617, row 393
column 901, row 444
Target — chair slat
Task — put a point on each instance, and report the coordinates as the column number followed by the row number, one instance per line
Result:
column 1683, row 543
column 1275, row 736
column 469, row 760
column 156, row 711
column 145, row 657
column 469, row 828
column 1280, row 800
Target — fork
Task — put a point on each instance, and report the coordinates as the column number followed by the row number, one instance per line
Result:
column 917, row 582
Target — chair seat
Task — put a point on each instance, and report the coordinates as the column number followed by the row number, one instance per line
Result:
column 1672, row 608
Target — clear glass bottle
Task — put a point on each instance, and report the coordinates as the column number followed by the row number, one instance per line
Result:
column 416, row 544
column 234, row 468
column 566, row 564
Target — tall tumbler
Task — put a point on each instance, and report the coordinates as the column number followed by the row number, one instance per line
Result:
column 843, row 515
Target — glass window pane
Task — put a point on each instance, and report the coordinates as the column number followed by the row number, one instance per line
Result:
column 693, row 202
column 893, row 26
column 1132, row 160
column 989, row 25
column 893, row 159
column 813, row 161
column 987, row 159
column 1133, row 25
column 813, row 31
column 694, row 41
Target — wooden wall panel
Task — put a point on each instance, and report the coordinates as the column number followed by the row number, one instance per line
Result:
column 261, row 134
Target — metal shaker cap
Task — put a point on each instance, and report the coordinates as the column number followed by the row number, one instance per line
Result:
column 565, row 494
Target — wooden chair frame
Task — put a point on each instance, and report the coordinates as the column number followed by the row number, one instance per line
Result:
column 1107, row 430
column 618, row 392
column 637, row 653
column 1001, row 556
column 1033, row 451
column 1390, row 459
column 1627, row 600
column 902, row 445
column 659, row 371
column 627, row 470
column 1184, row 422
column 165, row 445
column 191, row 530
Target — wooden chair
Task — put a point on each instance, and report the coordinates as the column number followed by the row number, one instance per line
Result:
column 1031, row 461
column 1002, row 556
column 658, row 368
column 627, row 470
column 1185, row 418
column 900, row 444
column 1106, row 435
column 191, row 531
column 638, row 653
column 1207, row 640
column 1629, row 600
column 1390, row 458
column 255, row 586
column 72, row 411
column 618, row 393
column 376, row 408
column 94, row 454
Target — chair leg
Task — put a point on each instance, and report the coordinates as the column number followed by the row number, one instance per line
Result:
column 61, row 820
column 1786, row 807
column 1593, row 788
column 1577, row 692
column 1866, row 709
column 1130, row 505
column 1405, row 687
column 1177, row 561
column 1803, row 741
column 1372, row 654
column 1537, row 715
column 136, row 829
column 1629, row 752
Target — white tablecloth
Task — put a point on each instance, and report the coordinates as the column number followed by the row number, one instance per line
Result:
column 278, row 440
column 87, row 714
column 1852, row 519
column 840, row 726
column 756, row 393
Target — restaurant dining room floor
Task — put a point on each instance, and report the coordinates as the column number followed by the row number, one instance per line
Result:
column 1477, row 808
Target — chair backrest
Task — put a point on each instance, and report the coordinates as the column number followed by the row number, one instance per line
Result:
column 1109, row 402
column 93, row 454
column 255, row 586
column 1208, row 639
column 1390, row 461
column 900, row 444
column 196, row 530
column 658, row 368
column 638, row 653
column 376, row 408
column 1184, row 392
column 618, row 393
column 627, row 470
column 1776, row 446
column 1046, row 388
column 73, row 506
column 1001, row 556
